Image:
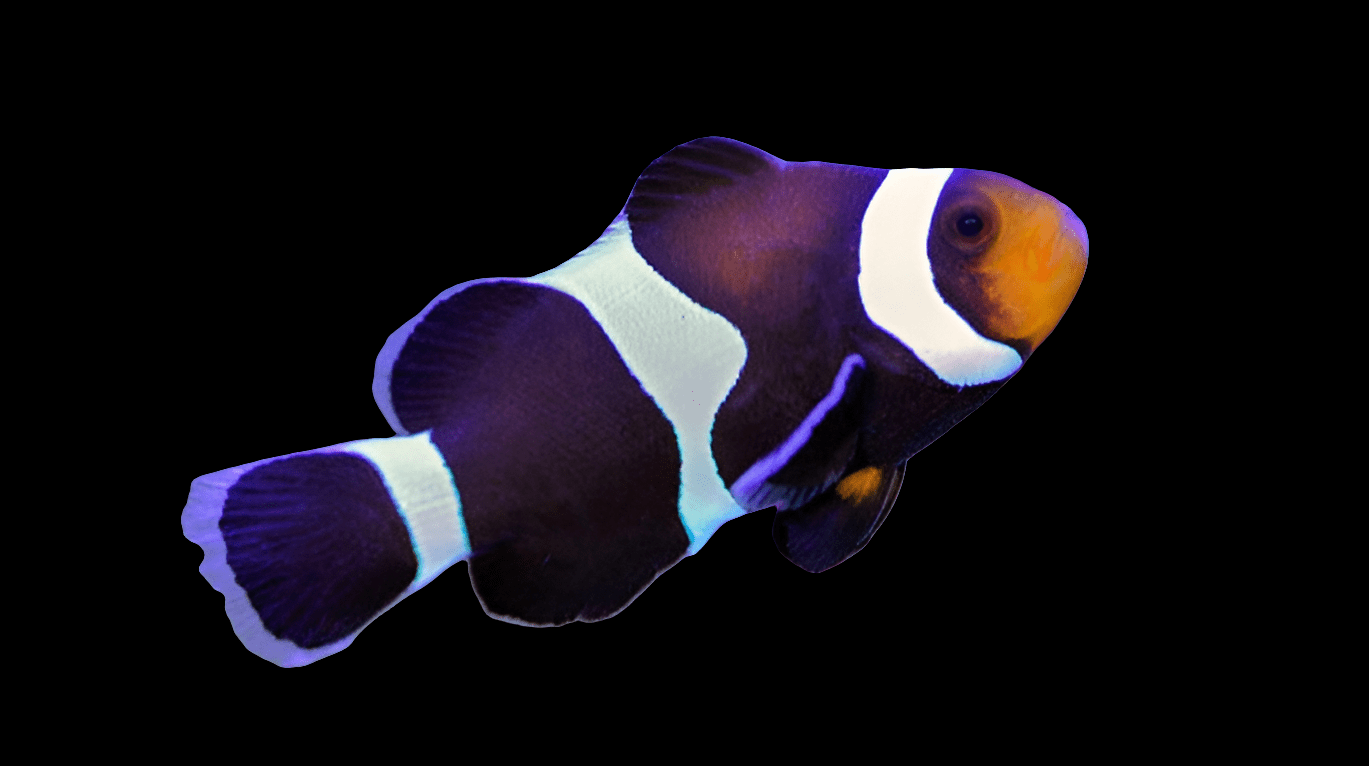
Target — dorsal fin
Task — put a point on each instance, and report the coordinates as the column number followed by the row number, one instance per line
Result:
column 434, row 359
column 692, row 170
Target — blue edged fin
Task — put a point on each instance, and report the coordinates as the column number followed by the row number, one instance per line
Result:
column 317, row 544
column 428, row 364
column 815, row 454
column 309, row 548
column 840, row 522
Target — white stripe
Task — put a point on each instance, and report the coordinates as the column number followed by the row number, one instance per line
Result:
column 425, row 495
column 686, row 357
column 899, row 293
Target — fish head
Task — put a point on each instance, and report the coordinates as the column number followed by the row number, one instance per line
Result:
column 1007, row 257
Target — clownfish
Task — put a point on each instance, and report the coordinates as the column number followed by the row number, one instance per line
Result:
column 747, row 333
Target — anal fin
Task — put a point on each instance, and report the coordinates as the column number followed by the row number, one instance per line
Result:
column 840, row 521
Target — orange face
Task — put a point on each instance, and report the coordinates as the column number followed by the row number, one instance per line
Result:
column 1021, row 254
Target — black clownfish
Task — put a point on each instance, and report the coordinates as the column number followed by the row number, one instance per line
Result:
column 747, row 333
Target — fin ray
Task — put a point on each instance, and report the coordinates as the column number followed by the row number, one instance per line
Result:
column 427, row 366
column 692, row 170
column 310, row 548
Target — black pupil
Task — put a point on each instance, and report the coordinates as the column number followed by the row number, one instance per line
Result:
column 969, row 225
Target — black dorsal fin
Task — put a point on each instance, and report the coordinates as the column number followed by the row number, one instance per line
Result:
column 693, row 170
column 836, row 525
column 436, row 358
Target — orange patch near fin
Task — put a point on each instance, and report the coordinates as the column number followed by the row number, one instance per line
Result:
column 860, row 485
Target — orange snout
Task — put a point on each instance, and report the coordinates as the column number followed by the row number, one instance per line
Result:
column 1036, row 263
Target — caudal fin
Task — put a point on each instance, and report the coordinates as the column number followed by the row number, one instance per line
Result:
column 309, row 548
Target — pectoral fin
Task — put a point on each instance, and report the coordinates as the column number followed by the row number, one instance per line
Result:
column 840, row 521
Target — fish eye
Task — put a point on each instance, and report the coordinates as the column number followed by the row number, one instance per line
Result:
column 969, row 224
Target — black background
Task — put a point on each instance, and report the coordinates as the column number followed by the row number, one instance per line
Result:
column 295, row 226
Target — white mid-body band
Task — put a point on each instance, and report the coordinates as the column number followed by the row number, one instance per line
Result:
column 686, row 357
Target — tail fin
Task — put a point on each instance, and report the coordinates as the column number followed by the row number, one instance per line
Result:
column 309, row 548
